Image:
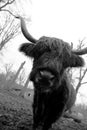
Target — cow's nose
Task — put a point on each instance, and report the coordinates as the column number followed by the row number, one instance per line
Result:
column 38, row 79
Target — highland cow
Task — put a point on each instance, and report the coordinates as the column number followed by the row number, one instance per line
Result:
column 53, row 92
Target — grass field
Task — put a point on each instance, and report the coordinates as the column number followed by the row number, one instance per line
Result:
column 16, row 114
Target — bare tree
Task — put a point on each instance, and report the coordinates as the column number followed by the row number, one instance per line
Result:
column 77, row 79
column 9, row 28
column 81, row 75
column 24, row 88
column 5, row 3
column 21, row 77
column 8, row 71
column 8, row 31
column 18, row 71
column 82, row 71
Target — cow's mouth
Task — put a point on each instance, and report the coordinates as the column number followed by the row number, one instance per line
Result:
column 44, row 80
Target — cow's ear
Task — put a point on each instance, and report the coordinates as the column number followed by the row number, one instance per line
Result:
column 34, row 50
column 74, row 61
column 27, row 49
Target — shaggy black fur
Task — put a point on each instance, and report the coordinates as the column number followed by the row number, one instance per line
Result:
column 53, row 93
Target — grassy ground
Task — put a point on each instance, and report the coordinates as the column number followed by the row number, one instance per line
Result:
column 16, row 114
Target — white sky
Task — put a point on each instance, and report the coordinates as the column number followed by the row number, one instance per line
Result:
column 64, row 19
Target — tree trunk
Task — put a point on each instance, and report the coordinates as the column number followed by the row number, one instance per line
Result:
column 9, row 87
column 24, row 88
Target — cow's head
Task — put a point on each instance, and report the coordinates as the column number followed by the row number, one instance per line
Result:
column 51, row 57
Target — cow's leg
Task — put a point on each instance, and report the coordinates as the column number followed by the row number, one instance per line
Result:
column 37, row 111
column 36, row 117
column 53, row 112
column 52, row 117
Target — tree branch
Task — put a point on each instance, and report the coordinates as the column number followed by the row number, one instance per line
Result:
column 9, row 12
column 7, row 3
column 80, row 80
column 83, row 83
column 8, row 30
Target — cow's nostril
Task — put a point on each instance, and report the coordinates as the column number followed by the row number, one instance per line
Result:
column 38, row 79
column 46, row 74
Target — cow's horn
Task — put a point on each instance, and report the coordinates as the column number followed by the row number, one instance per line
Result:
column 25, row 31
column 81, row 52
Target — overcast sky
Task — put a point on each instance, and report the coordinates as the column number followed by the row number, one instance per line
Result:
column 64, row 19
